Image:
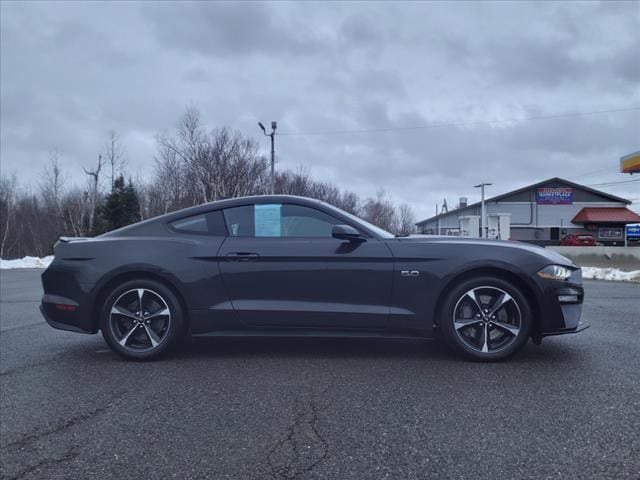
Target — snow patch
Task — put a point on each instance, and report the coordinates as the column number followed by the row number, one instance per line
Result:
column 26, row 262
column 597, row 273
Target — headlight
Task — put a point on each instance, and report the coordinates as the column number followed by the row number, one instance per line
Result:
column 555, row 272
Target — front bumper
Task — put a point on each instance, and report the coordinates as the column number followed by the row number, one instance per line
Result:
column 581, row 326
column 561, row 306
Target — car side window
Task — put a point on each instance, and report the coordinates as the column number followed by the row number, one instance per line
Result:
column 209, row 223
column 239, row 221
column 300, row 221
column 278, row 220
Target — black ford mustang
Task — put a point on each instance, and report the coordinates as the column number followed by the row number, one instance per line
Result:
column 284, row 265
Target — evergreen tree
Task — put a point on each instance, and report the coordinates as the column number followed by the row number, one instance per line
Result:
column 121, row 208
column 99, row 224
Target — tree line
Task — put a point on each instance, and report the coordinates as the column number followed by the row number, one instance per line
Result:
column 192, row 166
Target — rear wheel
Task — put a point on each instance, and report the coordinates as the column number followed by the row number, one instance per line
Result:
column 486, row 318
column 142, row 319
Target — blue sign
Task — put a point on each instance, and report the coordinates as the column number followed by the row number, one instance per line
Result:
column 554, row 196
column 633, row 232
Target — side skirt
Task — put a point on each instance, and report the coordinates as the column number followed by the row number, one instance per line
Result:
column 311, row 334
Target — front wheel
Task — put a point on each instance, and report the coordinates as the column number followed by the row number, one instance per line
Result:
column 141, row 319
column 486, row 318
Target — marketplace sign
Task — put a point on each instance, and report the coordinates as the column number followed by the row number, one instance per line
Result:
column 554, row 196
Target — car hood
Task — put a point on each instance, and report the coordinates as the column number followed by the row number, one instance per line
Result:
column 550, row 255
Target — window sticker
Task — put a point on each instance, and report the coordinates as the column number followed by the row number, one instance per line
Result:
column 267, row 219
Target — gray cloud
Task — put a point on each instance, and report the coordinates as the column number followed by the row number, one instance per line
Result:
column 70, row 72
column 224, row 29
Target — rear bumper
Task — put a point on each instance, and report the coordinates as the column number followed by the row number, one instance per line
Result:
column 59, row 324
column 66, row 304
column 66, row 314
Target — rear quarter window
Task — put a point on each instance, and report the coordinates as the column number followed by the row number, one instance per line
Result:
column 208, row 223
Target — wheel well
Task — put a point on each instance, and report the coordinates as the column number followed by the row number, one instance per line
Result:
column 499, row 273
column 125, row 277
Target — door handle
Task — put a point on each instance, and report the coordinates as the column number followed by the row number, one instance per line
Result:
column 242, row 256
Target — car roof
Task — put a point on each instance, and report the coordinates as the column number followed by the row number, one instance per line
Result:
column 239, row 201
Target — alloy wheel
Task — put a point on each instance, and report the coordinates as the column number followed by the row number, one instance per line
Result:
column 487, row 319
column 140, row 319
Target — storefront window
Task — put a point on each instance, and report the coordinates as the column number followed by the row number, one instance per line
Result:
column 610, row 233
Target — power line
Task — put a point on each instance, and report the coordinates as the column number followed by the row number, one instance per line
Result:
column 609, row 169
column 458, row 124
column 614, row 183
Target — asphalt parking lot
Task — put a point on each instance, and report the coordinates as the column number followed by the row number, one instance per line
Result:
column 348, row 409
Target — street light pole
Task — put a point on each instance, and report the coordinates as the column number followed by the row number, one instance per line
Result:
column 483, row 212
column 274, row 126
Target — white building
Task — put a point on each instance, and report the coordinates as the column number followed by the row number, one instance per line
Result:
column 541, row 213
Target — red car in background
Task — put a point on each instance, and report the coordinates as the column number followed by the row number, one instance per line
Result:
column 573, row 240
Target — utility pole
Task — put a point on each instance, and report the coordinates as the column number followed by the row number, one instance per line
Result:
column 483, row 212
column 274, row 126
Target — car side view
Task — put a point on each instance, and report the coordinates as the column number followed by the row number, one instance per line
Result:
column 573, row 240
column 294, row 266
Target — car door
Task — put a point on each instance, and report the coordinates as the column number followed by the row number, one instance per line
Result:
column 282, row 268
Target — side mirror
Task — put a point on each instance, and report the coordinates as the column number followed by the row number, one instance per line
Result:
column 346, row 232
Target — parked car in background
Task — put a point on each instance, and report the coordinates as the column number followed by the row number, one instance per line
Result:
column 581, row 240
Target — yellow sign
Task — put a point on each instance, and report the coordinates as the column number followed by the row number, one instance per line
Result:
column 630, row 163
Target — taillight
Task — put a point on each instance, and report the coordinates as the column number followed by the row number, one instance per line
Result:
column 66, row 308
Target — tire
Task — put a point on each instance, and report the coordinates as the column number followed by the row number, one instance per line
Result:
column 145, row 333
column 486, row 318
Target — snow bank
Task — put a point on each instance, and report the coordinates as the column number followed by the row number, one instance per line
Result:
column 26, row 262
column 616, row 274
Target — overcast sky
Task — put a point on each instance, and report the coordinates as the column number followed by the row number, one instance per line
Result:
column 72, row 72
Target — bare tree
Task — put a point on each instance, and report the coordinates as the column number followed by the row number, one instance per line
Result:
column 198, row 167
column 7, row 210
column 168, row 190
column 95, row 176
column 77, row 212
column 193, row 165
column 53, row 181
column 32, row 215
column 302, row 183
column 31, row 220
column 114, row 155
column 406, row 220
column 349, row 202
column 294, row 183
column 381, row 212
column 52, row 188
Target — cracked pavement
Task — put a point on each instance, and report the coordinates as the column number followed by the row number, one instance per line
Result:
column 319, row 409
column 303, row 447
